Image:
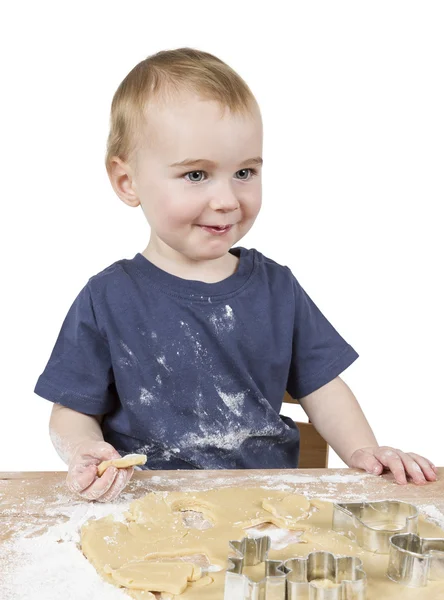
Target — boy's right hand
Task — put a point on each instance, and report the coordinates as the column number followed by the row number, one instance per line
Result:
column 82, row 478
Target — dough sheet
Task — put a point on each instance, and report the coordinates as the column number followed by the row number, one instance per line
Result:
column 155, row 550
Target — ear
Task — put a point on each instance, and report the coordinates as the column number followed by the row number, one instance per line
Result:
column 121, row 178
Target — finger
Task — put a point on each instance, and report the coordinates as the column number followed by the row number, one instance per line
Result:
column 116, row 488
column 80, row 476
column 101, row 484
column 100, row 453
column 427, row 468
column 392, row 461
column 411, row 468
column 368, row 462
column 130, row 473
column 373, row 465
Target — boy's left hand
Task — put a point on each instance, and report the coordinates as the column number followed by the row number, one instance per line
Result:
column 375, row 459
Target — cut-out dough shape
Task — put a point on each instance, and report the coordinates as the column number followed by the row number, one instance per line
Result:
column 288, row 511
column 130, row 460
column 172, row 577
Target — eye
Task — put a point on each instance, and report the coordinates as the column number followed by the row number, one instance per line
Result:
column 252, row 171
column 193, row 180
column 193, row 173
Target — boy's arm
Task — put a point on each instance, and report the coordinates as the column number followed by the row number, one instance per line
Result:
column 337, row 416
column 79, row 442
column 69, row 428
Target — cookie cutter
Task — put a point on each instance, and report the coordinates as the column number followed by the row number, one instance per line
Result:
column 414, row 560
column 371, row 524
column 348, row 580
column 294, row 579
column 251, row 552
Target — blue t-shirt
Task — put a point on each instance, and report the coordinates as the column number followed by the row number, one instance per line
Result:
column 193, row 374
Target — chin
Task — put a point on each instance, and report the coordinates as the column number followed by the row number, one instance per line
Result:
column 208, row 253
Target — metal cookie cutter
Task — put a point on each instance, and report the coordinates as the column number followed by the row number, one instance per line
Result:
column 371, row 524
column 253, row 551
column 414, row 560
column 322, row 576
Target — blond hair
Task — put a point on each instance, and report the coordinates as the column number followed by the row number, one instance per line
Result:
column 159, row 78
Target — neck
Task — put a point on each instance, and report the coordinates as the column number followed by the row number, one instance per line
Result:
column 175, row 263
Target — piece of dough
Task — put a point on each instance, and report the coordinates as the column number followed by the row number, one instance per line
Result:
column 130, row 460
column 172, row 577
column 288, row 511
column 325, row 584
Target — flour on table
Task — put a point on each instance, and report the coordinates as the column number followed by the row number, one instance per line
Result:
column 432, row 514
column 51, row 566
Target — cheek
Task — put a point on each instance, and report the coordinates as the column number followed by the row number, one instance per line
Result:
column 175, row 211
column 252, row 206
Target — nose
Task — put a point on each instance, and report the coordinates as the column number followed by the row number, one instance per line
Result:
column 224, row 200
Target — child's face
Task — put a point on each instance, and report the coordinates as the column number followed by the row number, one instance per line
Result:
column 179, row 201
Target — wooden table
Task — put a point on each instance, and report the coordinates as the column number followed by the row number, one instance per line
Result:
column 25, row 497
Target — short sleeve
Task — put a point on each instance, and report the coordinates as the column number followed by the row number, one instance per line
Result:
column 319, row 353
column 79, row 372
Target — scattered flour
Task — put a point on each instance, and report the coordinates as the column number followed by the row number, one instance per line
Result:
column 127, row 361
column 342, row 478
column 432, row 514
column 303, row 484
column 51, row 566
column 233, row 401
column 223, row 321
column 146, row 397
column 162, row 361
column 227, row 441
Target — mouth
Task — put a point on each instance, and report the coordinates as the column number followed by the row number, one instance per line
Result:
column 216, row 229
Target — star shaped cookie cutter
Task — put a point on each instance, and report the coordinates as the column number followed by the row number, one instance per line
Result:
column 318, row 576
column 251, row 552
column 371, row 524
column 414, row 560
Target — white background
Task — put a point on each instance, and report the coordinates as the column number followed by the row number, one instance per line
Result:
column 352, row 101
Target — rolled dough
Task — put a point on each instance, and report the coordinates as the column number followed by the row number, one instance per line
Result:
column 154, row 531
column 130, row 460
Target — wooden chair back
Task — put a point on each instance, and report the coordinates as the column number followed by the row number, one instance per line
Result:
column 313, row 449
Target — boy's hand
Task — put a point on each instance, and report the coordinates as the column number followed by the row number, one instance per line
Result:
column 82, row 475
column 377, row 458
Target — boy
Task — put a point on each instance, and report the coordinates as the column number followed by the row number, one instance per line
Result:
column 184, row 352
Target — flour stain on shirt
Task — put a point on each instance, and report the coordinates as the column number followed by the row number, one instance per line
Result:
column 146, row 397
column 227, row 440
column 200, row 353
column 223, row 319
column 162, row 361
column 130, row 359
column 230, row 437
column 234, row 402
